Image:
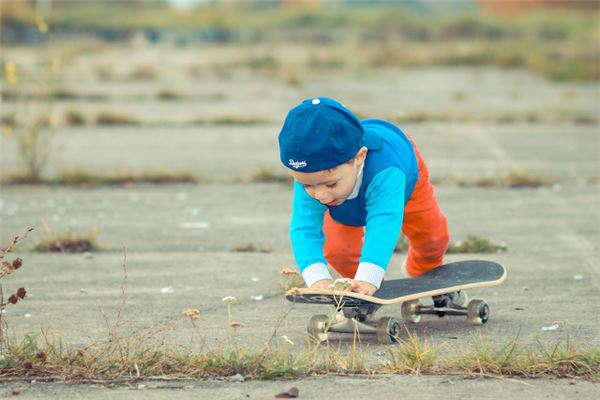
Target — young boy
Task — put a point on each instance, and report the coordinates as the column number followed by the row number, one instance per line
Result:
column 358, row 184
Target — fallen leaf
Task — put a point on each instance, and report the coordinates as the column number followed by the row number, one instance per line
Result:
column 192, row 313
column 291, row 393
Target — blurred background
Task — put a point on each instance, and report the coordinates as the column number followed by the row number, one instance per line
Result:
column 152, row 126
column 114, row 93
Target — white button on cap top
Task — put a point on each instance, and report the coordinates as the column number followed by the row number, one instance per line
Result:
column 316, row 101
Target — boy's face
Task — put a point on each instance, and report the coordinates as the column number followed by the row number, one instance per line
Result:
column 333, row 186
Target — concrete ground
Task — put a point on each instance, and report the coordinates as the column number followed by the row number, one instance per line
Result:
column 180, row 242
column 551, row 234
column 387, row 387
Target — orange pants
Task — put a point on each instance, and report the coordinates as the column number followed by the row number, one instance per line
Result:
column 424, row 225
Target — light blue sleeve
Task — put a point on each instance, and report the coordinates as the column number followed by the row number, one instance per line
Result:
column 306, row 228
column 385, row 213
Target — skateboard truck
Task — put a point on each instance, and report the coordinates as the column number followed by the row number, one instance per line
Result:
column 355, row 320
column 477, row 311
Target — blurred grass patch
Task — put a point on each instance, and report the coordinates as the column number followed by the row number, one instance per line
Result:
column 8, row 120
column 593, row 180
column 530, row 116
column 472, row 245
column 585, row 119
column 231, row 119
column 67, row 242
column 525, row 179
column 327, row 60
column 56, row 94
column 143, row 73
column 111, row 118
column 291, row 76
column 197, row 71
column 459, row 95
column 123, row 177
column 249, row 247
column 480, row 182
column 475, row 245
column 104, row 73
column 423, row 116
column 266, row 175
column 74, row 118
column 64, row 94
column 262, row 62
column 559, row 43
column 514, row 179
column 78, row 177
column 169, row 95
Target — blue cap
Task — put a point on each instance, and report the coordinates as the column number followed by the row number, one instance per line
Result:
column 321, row 133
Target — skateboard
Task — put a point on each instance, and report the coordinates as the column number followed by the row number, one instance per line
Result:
column 358, row 309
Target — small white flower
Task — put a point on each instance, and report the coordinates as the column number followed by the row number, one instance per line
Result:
column 229, row 300
column 341, row 284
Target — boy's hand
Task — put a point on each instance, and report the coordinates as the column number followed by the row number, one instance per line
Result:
column 363, row 287
column 322, row 284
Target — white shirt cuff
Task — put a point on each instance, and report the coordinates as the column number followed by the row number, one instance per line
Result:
column 371, row 273
column 315, row 272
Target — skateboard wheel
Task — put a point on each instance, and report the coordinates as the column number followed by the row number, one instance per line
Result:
column 388, row 330
column 410, row 311
column 478, row 312
column 318, row 327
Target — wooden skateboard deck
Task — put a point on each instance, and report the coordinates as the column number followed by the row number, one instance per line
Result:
column 447, row 278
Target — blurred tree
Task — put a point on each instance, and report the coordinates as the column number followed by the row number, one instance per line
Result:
column 514, row 7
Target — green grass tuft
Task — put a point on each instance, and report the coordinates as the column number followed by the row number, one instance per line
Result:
column 248, row 247
column 411, row 356
column 524, row 179
column 146, row 354
column 68, row 242
column 474, row 245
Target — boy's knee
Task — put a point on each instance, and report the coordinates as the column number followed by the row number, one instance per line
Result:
column 434, row 247
column 443, row 240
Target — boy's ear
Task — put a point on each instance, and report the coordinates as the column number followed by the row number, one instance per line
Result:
column 361, row 155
